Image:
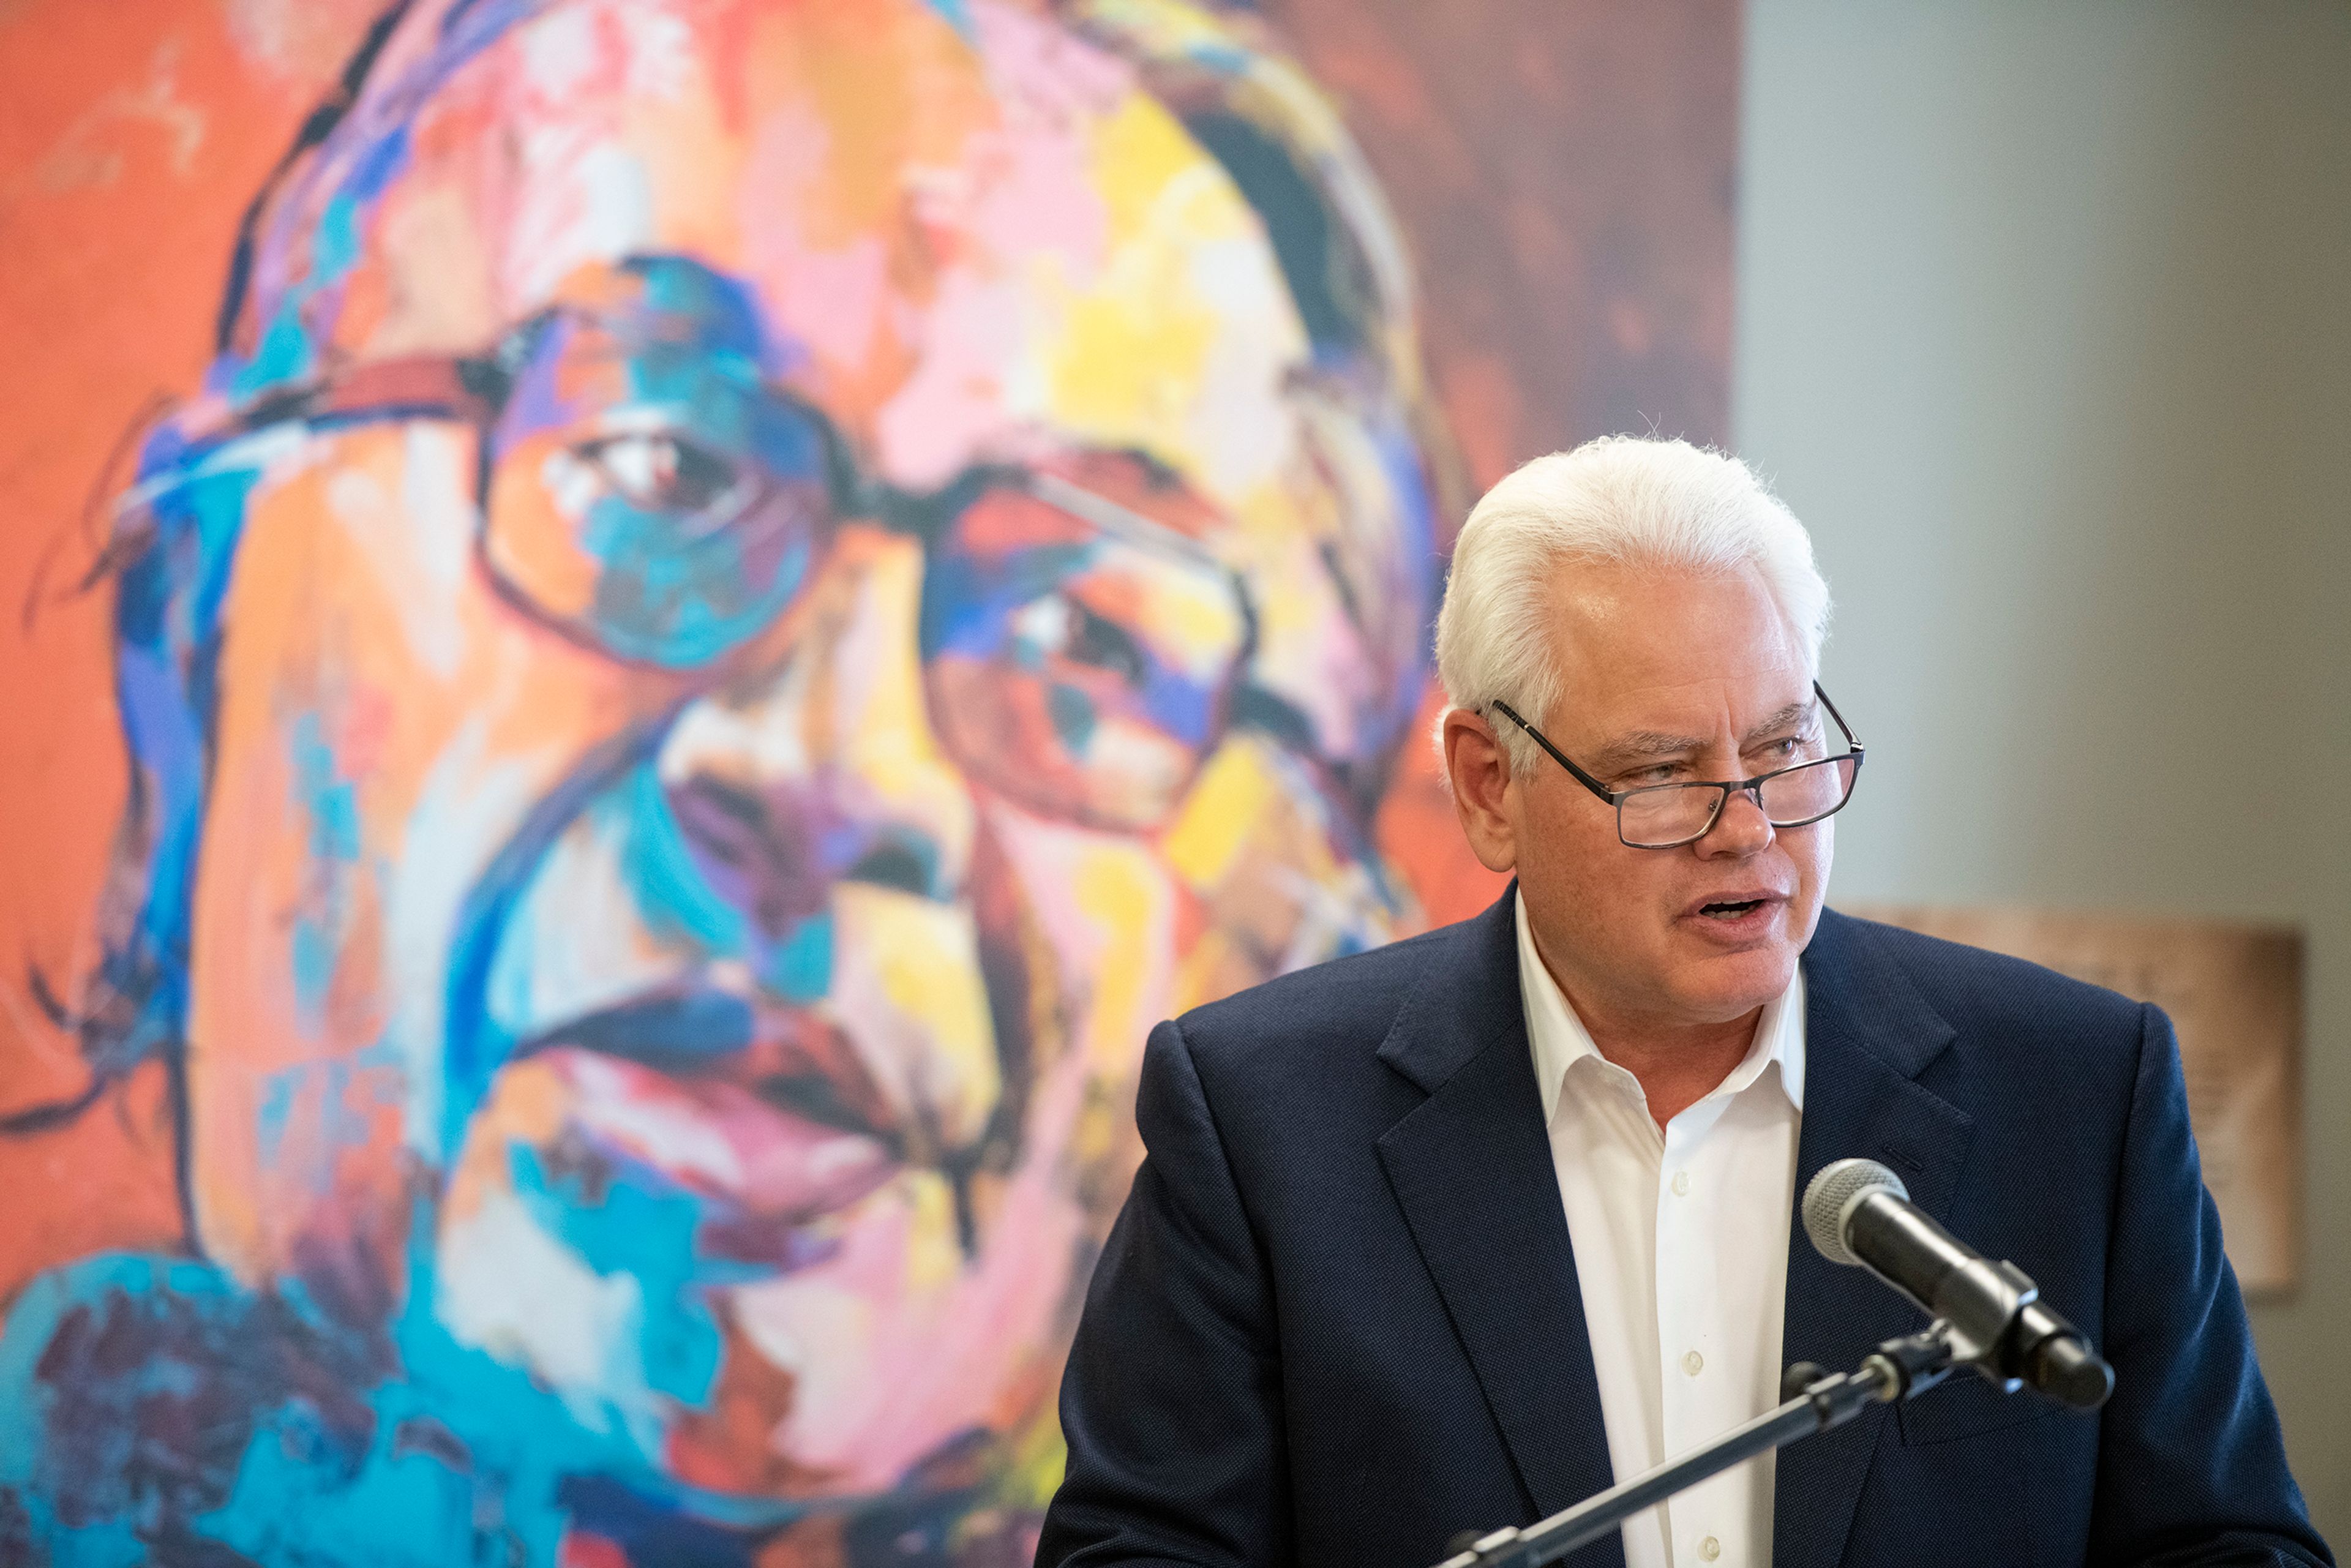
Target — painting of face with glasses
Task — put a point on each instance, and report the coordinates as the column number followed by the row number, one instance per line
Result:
column 756, row 589
column 730, row 600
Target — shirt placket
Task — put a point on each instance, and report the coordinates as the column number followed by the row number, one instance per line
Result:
column 1692, row 1379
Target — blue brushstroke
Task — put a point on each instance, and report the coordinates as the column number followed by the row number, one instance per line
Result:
column 798, row 968
column 674, row 1033
column 284, row 354
column 1406, row 468
column 167, row 613
column 670, row 892
column 329, row 804
column 1074, row 716
column 956, row 14
column 475, row 1044
column 636, row 1224
column 277, row 1108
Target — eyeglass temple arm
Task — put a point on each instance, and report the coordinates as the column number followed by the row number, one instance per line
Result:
column 1578, row 774
column 1850, row 738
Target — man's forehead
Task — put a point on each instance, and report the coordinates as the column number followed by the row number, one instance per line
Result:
column 1668, row 624
column 1658, row 655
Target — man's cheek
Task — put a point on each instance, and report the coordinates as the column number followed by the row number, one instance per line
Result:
column 1815, row 856
column 1821, row 858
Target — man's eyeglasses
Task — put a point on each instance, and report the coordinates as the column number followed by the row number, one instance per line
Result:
column 1668, row 816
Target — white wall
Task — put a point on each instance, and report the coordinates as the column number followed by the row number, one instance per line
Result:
column 2045, row 331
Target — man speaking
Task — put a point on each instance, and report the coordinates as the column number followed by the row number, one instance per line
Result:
column 1454, row 1233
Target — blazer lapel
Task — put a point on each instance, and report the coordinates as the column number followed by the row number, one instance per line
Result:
column 1868, row 1034
column 1472, row 1169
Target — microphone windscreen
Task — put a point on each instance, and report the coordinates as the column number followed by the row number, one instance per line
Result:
column 1830, row 1198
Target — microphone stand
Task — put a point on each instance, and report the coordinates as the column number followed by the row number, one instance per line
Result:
column 1818, row 1401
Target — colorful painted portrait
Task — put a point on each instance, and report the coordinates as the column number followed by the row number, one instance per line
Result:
column 744, row 594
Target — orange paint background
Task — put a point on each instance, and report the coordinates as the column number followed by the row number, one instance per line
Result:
column 1565, row 172
column 131, row 136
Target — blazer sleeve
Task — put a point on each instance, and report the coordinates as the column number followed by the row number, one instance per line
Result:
column 2192, row 1462
column 1171, row 1403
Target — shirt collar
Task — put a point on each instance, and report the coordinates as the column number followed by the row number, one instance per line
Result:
column 1561, row 1040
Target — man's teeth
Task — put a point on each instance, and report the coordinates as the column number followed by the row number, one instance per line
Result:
column 1728, row 910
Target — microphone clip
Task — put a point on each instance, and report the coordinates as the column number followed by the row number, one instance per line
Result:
column 1907, row 1367
column 1898, row 1369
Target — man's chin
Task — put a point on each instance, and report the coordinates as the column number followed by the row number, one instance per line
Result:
column 1720, row 984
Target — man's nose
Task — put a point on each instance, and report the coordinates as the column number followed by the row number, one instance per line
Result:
column 817, row 801
column 1740, row 829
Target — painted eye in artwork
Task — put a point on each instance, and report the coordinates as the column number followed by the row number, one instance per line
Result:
column 659, row 472
column 654, row 496
column 1058, row 626
column 1081, row 640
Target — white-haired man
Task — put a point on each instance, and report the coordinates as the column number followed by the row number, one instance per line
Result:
column 1453, row 1234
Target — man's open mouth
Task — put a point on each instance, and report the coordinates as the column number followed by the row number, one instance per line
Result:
column 1733, row 910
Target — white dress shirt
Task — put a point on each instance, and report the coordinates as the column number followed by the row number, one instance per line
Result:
column 1681, row 1252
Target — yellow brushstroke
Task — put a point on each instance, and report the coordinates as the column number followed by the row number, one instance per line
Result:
column 1129, row 356
column 921, row 957
column 1117, row 890
column 934, row 1258
column 1226, row 803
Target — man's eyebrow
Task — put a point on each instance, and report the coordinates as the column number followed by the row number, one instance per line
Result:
column 1644, row 745
column 1647, row 745
column 1790, row 717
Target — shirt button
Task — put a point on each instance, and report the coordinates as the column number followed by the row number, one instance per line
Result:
column 1681, row 1184
column 1693, row 1362
column 1710, row 1549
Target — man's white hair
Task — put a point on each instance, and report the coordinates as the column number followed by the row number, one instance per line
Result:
column 1621, row 499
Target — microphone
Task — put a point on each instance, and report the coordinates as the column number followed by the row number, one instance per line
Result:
column 1859, row 1214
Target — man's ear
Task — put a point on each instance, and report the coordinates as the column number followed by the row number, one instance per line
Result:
column 1483, row 796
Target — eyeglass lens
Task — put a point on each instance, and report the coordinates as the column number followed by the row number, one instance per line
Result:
column 1081, row 672
column 1676, row 813
column 650, row 493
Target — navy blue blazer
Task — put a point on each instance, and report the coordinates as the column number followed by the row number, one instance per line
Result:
column 1338, row 1320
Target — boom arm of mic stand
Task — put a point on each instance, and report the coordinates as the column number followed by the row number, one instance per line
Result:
column 1896, row 1370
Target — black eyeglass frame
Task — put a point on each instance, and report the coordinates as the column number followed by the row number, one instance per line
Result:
column 1753, row 787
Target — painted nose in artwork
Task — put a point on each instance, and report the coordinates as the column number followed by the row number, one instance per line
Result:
column 817, row 805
